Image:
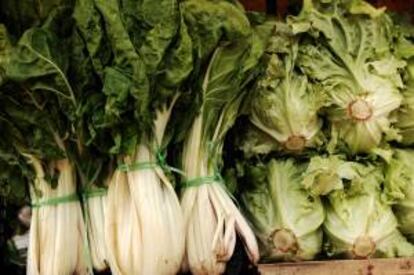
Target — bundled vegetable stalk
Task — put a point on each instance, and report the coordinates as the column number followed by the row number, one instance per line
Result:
column 152, row 56
column 285, row 218
column 57, row 232
column 94, row 200
column 359, row 222
column 95, row 207
column 346, row 48
column 142, row 194
column 46, row 87
column 211, row 217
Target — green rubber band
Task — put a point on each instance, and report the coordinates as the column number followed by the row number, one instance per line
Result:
column 137, row 166
column 95, row 192
column 202, row 180
column 55, row 201
column 161, row 162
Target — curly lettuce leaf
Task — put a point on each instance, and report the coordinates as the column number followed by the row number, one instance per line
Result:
column 405, row 49
column 359, row 224
column 253, row 141
column 284, row 104
column 347, row 50
column 326, row 174
column 286, row 220
column 405, row 115
column 398, row 189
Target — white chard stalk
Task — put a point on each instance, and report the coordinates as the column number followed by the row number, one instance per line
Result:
column 95, row 207
column 57, row 231
column 212, row 220
column 122, row 228
column 146, row 198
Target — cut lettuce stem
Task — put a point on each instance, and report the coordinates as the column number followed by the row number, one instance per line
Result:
column 360, row 110
column 363, row 247
column 285, row 241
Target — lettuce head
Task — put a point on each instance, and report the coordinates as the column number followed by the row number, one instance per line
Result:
column 405, row 49
column 284, row 105
column 399, row 189
column 346, row 47
column 286, row 219
column 359, row 223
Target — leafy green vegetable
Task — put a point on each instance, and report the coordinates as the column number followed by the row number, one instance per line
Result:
column 44, row 95
column 406, row 112
column 253, row 141
column 405, row 49
column 346, row 48
column 212, row 21
column 398, row 189
column 22, row 15
column 359, row 224
column 284, row 104
column 286, row 220
column 227, row 52
column 5, row 48
column 325, row 174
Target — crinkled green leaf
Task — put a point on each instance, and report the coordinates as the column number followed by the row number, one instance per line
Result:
column 279, row 203
column 405, row 48
column 349, row 54
column 5, row 51
column 151, row 25
column 284, row 105
column 398, row 189
column 359, row 223
column 253, row 141
column 21, row 15
column 325, row 174
column 211, row 21
column 92, row 29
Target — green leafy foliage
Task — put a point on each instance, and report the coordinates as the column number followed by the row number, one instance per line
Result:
column 285, row 218
column 284, row 104
column 398, row 189
column 359, row 223
column 405, row 49
column 346, row 49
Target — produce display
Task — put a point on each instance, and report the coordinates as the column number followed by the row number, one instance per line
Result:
column 182, row 136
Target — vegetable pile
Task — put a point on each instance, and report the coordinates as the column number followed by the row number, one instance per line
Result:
column 323, row 164
column 157, row 137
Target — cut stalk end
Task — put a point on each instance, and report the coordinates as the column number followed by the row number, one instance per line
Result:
column 359, row 110
column 284, row 240
column 295, row 143
column 363, row 247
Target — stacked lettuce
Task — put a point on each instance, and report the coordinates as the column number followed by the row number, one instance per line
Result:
column 286, row 219
column 318, row 145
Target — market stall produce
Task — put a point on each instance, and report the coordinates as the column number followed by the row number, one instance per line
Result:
column 195, row 136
